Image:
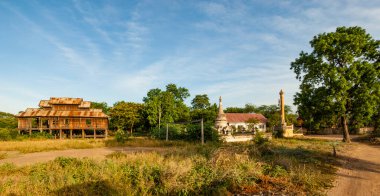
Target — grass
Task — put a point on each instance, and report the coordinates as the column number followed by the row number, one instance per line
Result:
column 287, row 166
column 3, row 155
column 29, row 146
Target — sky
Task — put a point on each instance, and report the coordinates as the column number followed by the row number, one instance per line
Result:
column 113, row 50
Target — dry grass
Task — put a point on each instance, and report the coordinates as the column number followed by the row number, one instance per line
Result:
column 286, row 166
column 3, row 155
column 29, row 146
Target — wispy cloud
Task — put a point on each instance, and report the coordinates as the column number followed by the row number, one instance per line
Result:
column 116, row 50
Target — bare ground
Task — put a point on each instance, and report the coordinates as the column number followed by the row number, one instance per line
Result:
column 93, row 153
column 359, row 171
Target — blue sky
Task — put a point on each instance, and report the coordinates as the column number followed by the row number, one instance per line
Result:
column 118, row 50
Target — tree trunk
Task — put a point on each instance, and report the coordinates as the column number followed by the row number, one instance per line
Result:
column 132, row 129
column 346, row 134
column 159, row 119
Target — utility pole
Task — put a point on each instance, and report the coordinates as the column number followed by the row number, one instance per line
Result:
column 202, row 132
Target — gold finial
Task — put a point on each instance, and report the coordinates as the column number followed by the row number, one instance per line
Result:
column 281, row 92
column 220, row 99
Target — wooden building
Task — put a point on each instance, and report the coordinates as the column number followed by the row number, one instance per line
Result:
column 64, row 117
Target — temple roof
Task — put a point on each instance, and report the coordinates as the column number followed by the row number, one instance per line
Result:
column 244, row 117
column 65, row 100
column 35, row 112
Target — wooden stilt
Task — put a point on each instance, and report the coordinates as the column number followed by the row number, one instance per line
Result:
column 71, row 134
column 94, row 133
column 40, row 124
column 82, row 133
column 60, row 134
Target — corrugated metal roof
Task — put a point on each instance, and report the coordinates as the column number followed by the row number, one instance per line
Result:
column 34, row 112
column 85, row 104
column 244, row 117
column 65, row 100
column 44, row 104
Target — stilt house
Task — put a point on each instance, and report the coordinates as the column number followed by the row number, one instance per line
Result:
column 64, row 117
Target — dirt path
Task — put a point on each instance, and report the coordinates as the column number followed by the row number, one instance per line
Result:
column 94, row 153
column 360, row 171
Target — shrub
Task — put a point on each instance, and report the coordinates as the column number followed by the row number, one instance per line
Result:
column 279, row 133
column 41, row 135
column 190, row 132
column 260, row 138
column 121, row 136
column 8, row 134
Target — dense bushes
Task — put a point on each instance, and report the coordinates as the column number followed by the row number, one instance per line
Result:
column 190, row 132
column 8, row 134
column 7, row 120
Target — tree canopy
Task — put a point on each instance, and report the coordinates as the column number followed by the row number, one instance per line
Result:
column 100, row 105
column 339, row 78
column 125, row 115
column 201, row 108
column 166, row 106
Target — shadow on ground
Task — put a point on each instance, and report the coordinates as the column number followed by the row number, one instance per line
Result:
column 89, row 188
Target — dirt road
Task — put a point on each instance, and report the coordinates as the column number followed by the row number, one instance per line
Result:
column 94, row 153
column 360, row 171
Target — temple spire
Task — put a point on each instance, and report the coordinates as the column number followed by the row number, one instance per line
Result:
column 220, row 105
column 221, row 120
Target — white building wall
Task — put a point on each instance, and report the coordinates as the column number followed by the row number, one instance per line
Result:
column 259, row 126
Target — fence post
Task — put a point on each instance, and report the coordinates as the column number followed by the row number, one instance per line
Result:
column 167, row 132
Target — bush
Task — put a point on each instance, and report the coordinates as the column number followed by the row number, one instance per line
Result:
column 190, row 132
column 121, row 136
column 8, row 134
column 260, row 138
column 41, row 135
column 278, row 133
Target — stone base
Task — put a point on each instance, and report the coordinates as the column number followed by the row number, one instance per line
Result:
column 288, row 133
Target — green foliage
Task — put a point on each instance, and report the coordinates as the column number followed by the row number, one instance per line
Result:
column 260, row 139
column 251, row 123
column 100, row 105
column 121, row 136
column 339, row 79
column 41, row 135
column 200, row 102
column 125, row 115
column 168, row 106
column 189, row 132
column 7, row 120
column 248, row 108
column 274, row 171
column 278, row 133
column 7, row 134
column 201, row 108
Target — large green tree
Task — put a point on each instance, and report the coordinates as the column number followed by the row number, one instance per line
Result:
column 125, row 115
column 166, row 106
column 339, row 78
column 201, row 108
